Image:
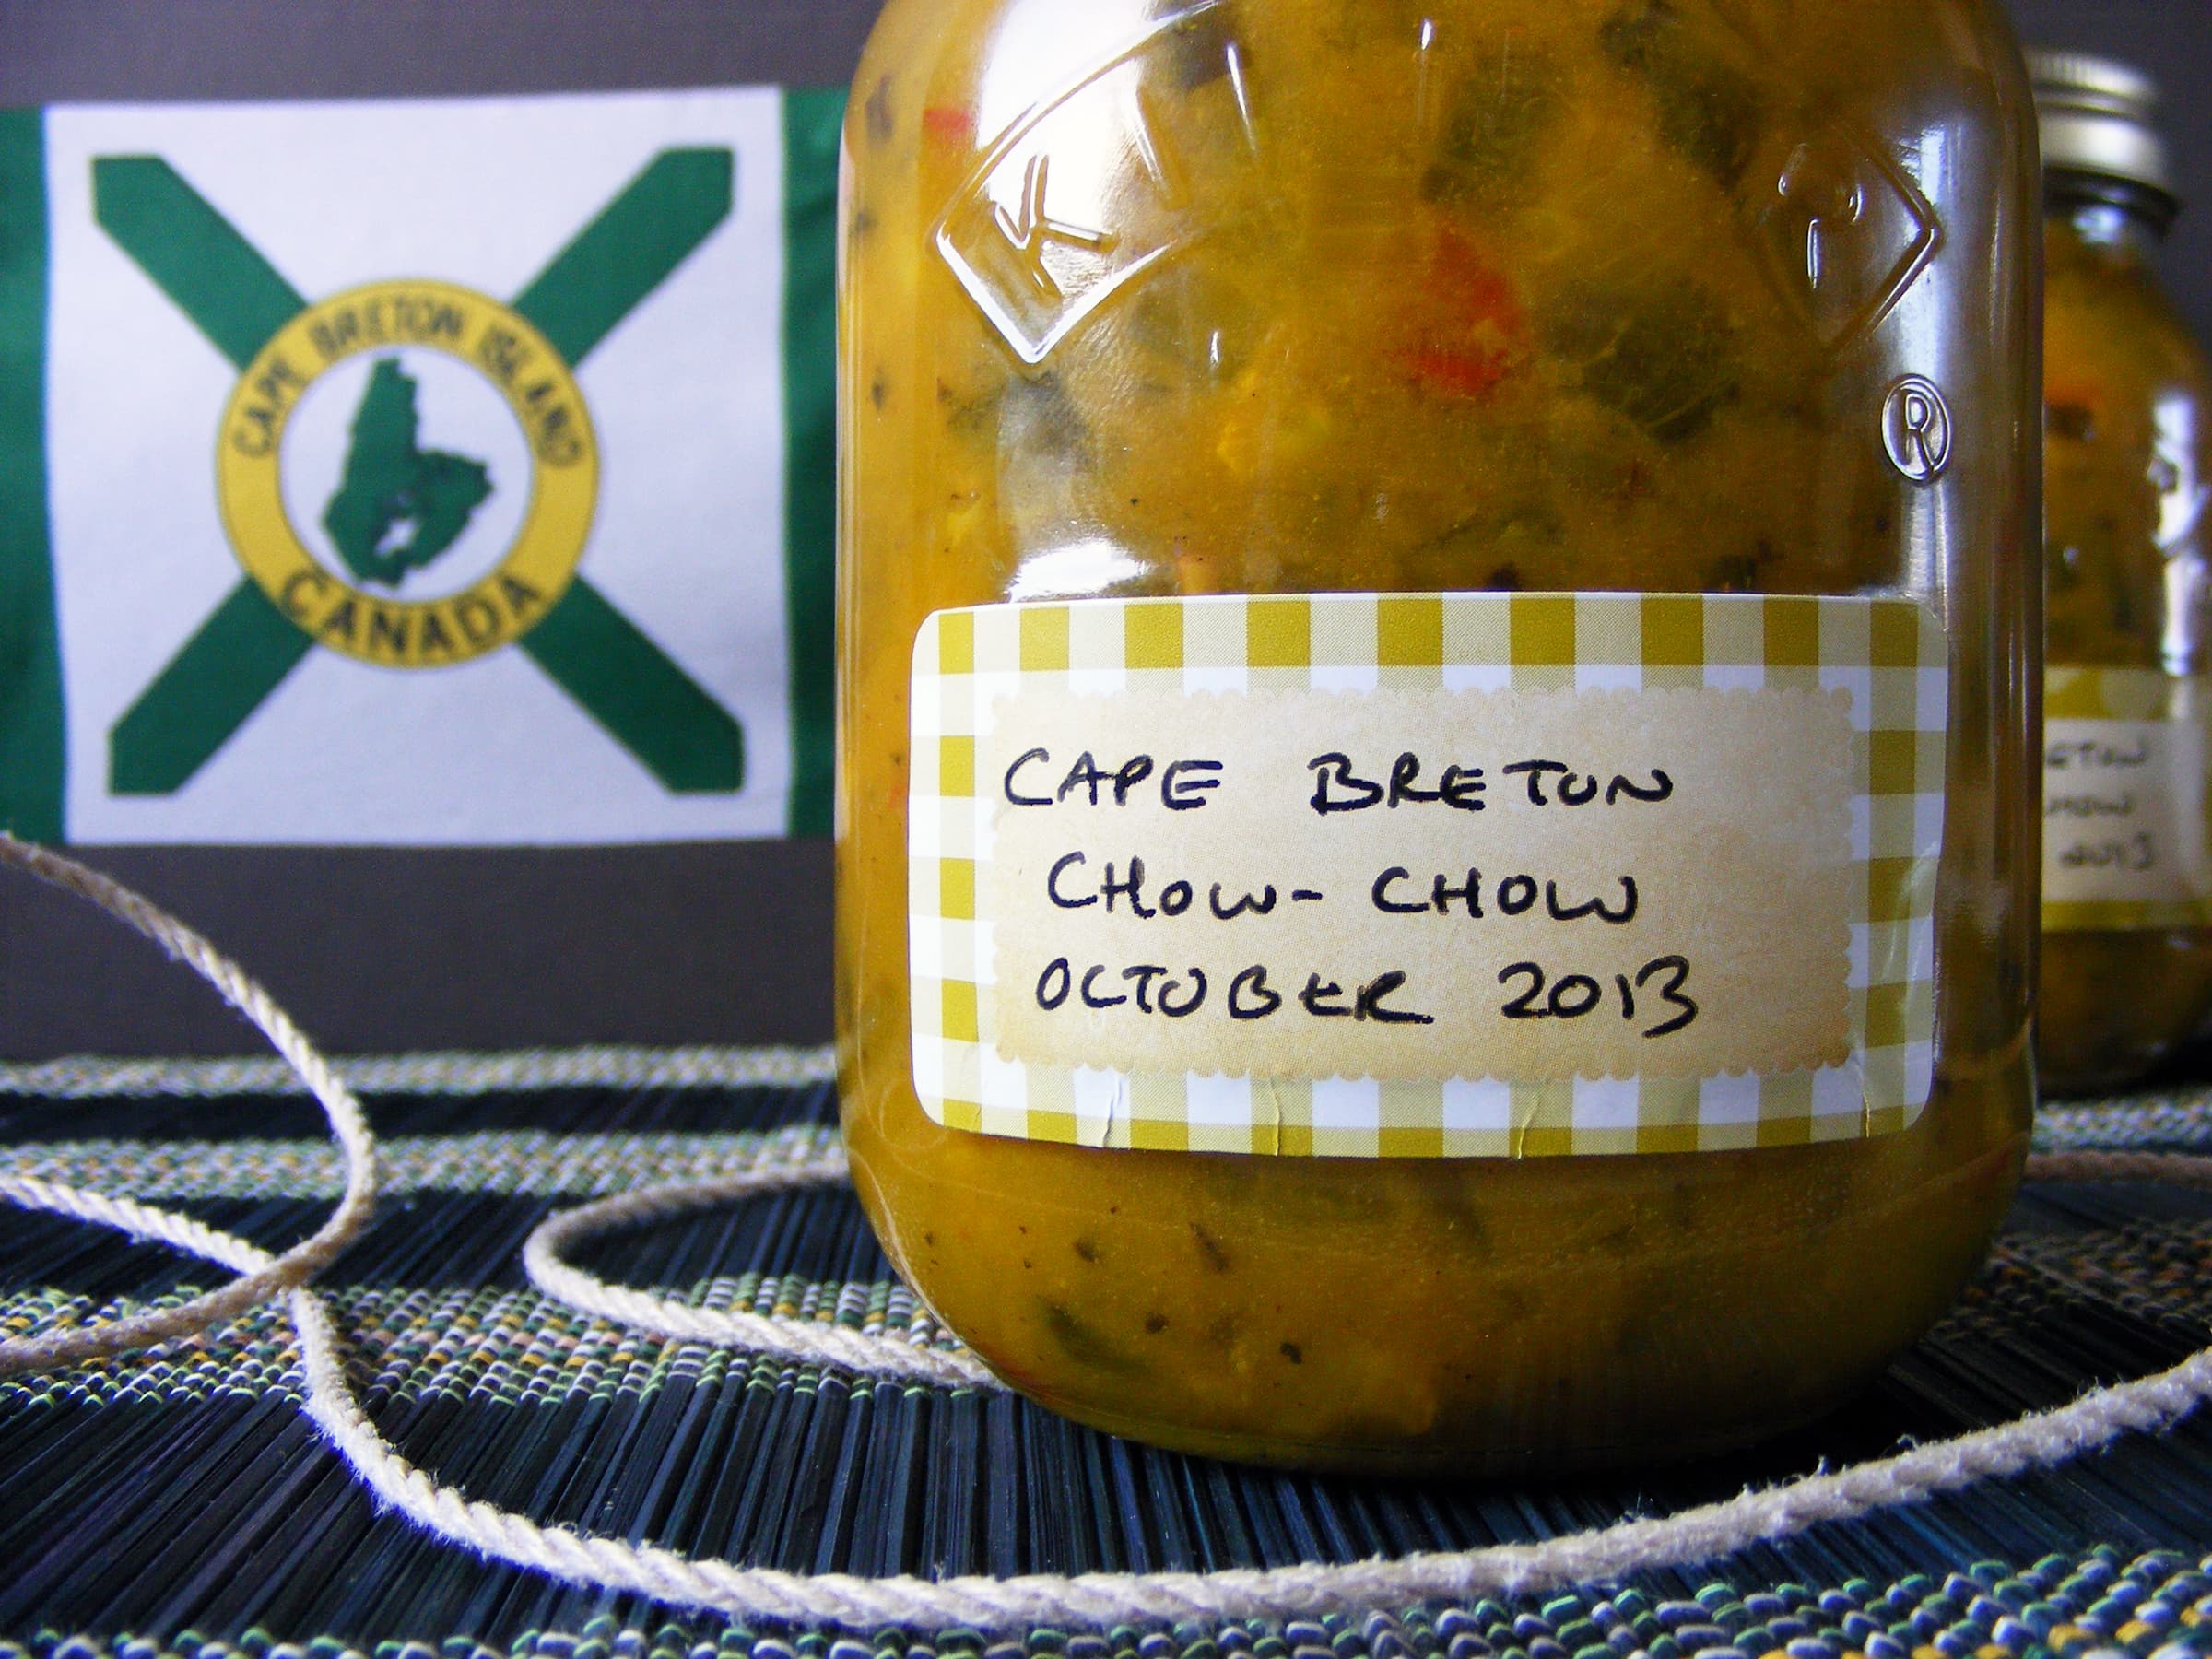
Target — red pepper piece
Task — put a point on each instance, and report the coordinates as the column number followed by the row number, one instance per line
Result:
column 946, row 124
column 1474, row 331
column 1458, row 373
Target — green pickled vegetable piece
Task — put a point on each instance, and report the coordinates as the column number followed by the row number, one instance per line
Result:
column 1197, row 49
column 1708, row 109
column 1662, row 355
column 1038, row 418
column 1492, row 136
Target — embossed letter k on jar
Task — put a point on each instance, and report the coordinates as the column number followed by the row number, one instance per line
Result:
column 1438, row 645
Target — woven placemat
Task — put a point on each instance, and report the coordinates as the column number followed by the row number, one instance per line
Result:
column 179, row 1502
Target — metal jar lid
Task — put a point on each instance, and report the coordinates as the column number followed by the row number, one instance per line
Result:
column 2099, row 116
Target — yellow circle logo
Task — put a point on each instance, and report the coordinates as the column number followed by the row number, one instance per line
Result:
column 385, row 509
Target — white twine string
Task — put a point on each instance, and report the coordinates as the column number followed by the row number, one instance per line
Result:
column 263, row 1275
column 604, row 1064
column 1093, row 1599
column 806, row 1342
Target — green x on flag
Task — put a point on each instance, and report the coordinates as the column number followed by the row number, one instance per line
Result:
column 416, row 473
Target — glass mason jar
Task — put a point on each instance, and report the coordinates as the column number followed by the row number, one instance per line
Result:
column 2127, row 879
column 1436, row 844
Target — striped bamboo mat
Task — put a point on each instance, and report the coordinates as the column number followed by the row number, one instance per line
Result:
column 180, row 1503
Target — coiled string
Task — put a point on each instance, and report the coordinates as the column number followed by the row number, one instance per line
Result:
column 2036, row 1441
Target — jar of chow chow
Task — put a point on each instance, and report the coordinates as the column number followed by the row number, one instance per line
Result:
column 2127, row 873
column 1439, row 639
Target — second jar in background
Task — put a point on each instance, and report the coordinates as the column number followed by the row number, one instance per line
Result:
column 2127, row 874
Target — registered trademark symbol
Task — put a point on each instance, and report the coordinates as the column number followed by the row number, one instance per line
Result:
column 1916, row 428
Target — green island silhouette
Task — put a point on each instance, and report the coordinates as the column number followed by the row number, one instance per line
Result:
column 391, row 485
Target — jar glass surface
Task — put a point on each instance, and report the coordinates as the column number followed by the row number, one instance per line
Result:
column 2126, row 459
column 1639, row 296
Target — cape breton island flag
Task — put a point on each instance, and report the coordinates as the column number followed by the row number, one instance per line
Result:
column 417, row 471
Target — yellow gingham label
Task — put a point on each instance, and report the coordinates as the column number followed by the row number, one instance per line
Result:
column 1883, row 660
column 2126, row 842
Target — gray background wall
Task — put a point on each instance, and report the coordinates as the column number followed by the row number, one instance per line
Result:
column 379, row 950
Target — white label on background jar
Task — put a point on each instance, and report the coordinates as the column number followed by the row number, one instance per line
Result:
column 1445, row 875
column 2124, row 843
